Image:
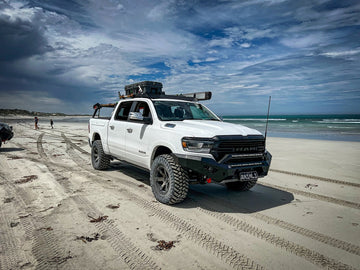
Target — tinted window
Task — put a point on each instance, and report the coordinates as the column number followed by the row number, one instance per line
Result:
column 143, row 108
column 123, row 110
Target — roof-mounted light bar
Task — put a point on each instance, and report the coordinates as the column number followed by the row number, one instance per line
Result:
column 199, row 95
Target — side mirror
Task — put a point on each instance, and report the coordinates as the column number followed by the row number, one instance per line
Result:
column 148, row 120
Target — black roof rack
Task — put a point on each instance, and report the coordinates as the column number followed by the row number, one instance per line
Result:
column 163, row 96
column 188, row 97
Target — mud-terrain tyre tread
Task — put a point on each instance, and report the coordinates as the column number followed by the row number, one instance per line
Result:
column 241, row 186
column 179, row 182
column 103, row 160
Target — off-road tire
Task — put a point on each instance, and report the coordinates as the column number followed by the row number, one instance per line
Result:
column 241, row 186
column 169, row 181
column 99, row 160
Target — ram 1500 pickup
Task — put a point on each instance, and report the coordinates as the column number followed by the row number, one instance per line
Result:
column 177, row 139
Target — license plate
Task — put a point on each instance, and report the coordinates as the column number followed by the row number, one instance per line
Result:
column 248, row 176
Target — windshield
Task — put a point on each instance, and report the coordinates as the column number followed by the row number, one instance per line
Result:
column 178, row 111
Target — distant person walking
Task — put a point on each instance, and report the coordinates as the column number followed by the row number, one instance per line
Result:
column 51, row 123
column 36, row 122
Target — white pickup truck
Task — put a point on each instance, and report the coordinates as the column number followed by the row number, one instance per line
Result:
column 179, row 141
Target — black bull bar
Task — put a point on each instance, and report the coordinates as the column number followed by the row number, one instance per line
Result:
column 219, row 171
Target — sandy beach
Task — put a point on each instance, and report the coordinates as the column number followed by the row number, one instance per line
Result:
column 57, row 212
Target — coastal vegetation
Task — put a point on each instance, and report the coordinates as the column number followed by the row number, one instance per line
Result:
column 32, row 113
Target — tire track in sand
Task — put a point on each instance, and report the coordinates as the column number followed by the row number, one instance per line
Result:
column 46, row 247
column 132, row 256
column 300, row 251
column 313, row 195
column 329, row 180
column 346, row 246
column 11, row 256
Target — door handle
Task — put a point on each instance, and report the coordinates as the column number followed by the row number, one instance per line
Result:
column 129, row 130
column 112, row 127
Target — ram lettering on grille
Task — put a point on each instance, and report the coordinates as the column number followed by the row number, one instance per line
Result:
column 246, row 149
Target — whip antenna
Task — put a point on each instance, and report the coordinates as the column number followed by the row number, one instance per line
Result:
column 267, row 118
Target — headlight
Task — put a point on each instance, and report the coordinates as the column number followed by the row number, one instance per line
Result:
column 199, row 145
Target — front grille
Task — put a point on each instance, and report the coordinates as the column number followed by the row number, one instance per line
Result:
column 241, row 160
column 238, row 145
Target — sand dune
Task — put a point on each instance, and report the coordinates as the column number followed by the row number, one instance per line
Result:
column 304, row 215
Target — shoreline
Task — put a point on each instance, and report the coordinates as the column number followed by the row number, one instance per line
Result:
column 315, row 138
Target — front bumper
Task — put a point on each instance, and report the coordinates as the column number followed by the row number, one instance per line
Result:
column 218, row 172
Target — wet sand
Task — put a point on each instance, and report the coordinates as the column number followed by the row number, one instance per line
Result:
column 304, row 215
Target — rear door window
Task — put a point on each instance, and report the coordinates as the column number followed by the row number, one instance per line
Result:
column 143, row 108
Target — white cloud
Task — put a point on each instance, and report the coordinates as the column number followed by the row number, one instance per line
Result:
column 250, row 33
column 221, row 42
column 242, row 86
column 16, row 12
column 245, row 45
column 211, row 59
column 159, row 11
column 325, row 19
column 304, row 41
column 341, row 54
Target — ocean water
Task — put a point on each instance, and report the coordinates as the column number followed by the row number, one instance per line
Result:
column 320, row 127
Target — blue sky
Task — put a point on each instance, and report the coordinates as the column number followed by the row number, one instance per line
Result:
column 64, row 56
